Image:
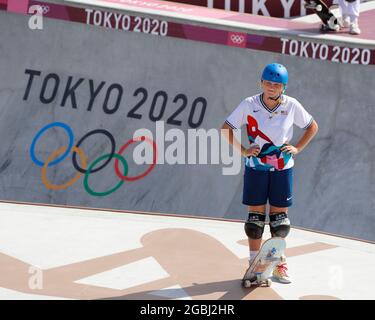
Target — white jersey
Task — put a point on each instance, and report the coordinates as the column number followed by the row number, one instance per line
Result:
column 270, row 129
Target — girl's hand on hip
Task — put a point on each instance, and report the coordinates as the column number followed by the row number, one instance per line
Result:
column 288, row 148
column 253, row 151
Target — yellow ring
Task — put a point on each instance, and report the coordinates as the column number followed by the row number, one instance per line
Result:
column 56, row 153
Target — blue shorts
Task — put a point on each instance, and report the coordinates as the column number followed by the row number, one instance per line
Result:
column 274, row 186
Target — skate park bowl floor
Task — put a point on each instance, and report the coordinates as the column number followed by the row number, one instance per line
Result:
column 71, row 253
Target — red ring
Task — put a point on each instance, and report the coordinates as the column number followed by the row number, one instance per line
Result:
column 122, row 149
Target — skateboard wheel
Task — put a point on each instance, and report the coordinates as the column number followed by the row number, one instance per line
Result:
column 333, row 24
column 319, row 8
column 269, row 282
column 247, row 283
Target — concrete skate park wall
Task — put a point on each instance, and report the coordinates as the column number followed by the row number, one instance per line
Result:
column 122, row 80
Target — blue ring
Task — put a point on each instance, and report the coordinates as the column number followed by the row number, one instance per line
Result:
column 45, row 128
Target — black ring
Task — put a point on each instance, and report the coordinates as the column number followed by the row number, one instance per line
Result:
column 113, row 143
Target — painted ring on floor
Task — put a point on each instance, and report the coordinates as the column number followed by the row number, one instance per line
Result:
column 70, row 182
column 123, row 148
column 89, row 170
column 38, row 135
column 113, row 148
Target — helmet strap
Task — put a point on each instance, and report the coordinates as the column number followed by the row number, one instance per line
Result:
column 274, row 99
column 279, row 96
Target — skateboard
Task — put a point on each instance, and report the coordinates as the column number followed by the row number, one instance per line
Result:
column 330, row 22
column 269, row 255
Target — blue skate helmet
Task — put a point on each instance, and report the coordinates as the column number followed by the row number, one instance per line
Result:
column 276, row 72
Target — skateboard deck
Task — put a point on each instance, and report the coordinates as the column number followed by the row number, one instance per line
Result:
column 330, row 22
column 269, row 255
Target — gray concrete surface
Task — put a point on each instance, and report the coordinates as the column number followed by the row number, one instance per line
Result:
column 334, row 176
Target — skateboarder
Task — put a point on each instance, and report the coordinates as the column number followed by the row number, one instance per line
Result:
column 350, row 14
column 269, row 118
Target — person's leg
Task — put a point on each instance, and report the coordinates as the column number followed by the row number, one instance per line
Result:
column 343, row 5
column 255, row 193
column 255, row 244
column 353, row 8
column 279, row 221
column 280, row 198
column 281, row 183
column 280, row 226
column 350, row 15
column 353, row 12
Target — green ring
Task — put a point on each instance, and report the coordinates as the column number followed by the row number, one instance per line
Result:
column 106, row 193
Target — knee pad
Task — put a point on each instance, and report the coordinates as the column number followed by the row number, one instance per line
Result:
column 254, row 226
column 279, row 224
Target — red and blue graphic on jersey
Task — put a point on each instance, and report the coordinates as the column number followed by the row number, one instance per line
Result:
column 270, row 155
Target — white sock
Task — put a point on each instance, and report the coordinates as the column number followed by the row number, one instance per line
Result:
column 253, row 255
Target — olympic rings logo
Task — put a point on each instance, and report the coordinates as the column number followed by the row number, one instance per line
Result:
column 87, row 169
column 237, row 38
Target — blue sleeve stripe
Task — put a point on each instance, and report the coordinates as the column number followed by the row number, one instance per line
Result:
column 309, row 124
column 231, row 125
